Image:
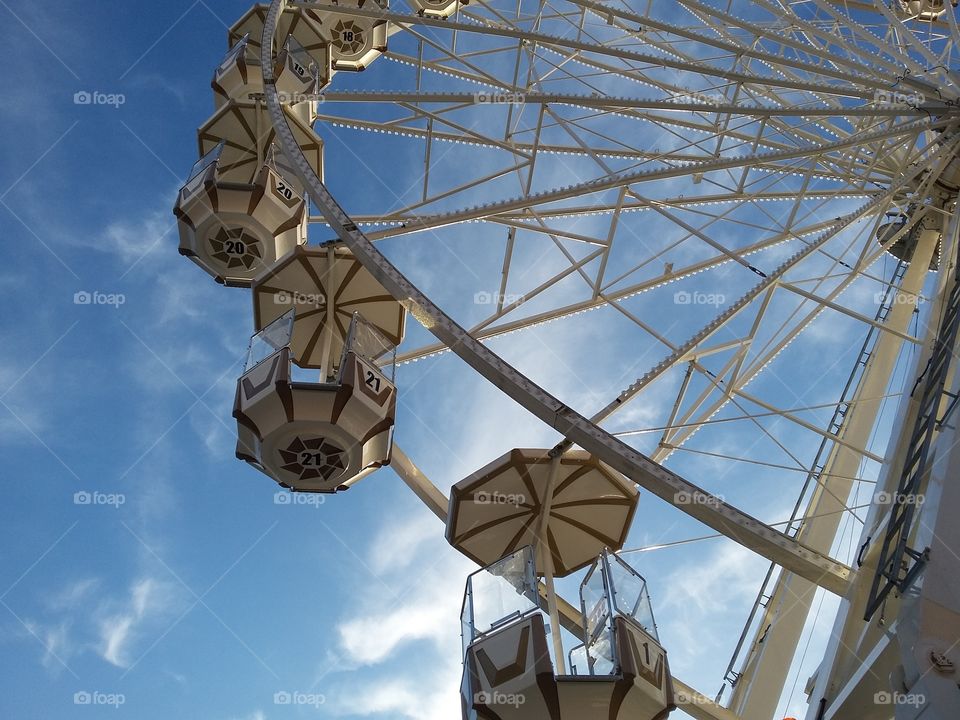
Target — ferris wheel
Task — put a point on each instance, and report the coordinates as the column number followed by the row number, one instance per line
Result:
column 745, row 213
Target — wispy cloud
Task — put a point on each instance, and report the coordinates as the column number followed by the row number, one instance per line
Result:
column 131, row 240
column 396, row 545
column 58, row 646
column 73, row 594
column 122, row 624
column 89, row 617
column 425, row 698
column 696, row 622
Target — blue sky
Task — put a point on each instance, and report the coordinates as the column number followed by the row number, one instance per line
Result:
column 183, row 586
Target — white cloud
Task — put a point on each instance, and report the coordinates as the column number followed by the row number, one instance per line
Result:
column 699, row 601
column 372, row 639
column 121, row 623
column 428, row 611
column 114, row 632
column 24, row 427
column 397, row 545
column 433, row 696
column 73, row 594
column 132, row 240
column 58, row 648
column 58, row 638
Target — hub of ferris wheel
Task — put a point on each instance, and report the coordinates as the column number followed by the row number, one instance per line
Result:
column 903, row 230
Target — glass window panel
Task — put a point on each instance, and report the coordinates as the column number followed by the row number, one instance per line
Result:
column 273, row 337
column 367, row 341
column 504, row 591
column 239, row 48
column 206, row 161
column 631, row 598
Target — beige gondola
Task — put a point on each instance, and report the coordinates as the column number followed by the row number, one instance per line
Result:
column 236, row 230
column 326, row 285
column 300, row 75
column 568, row 506
column 355, row 41
column 316, row 436
column 292, row 23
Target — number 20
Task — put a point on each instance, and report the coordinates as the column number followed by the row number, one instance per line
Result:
column 283, row 190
